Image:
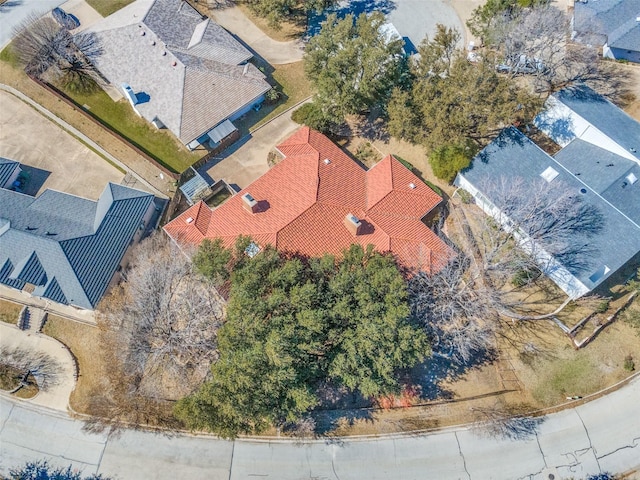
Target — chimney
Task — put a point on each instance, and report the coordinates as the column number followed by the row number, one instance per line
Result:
column 249, row 203
column 353, row 224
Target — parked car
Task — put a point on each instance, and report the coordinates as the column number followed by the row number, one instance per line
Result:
column 522, row 65
column 66, row 20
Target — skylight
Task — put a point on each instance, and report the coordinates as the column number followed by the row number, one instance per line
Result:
column 549, row 174
column 631, row 178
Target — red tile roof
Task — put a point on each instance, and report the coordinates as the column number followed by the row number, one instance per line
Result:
column 303, row 201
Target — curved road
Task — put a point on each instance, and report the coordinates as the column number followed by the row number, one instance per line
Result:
column 599, row 436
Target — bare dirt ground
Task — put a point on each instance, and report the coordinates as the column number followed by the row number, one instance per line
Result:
column 52, row 157
column 633, row 108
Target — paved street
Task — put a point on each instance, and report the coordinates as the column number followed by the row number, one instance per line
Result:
column 600, row 436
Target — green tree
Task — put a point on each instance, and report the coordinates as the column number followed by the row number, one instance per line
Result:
column 454, row 101
column 41, row 470
column 447, row 160
column 292, row 325
column 212, row 261
column 353, row 65
column 276, row 11
column 484, row 18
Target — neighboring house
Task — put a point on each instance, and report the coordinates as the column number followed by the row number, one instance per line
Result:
column 178, row 69
column 65, row 248
column 612, row 24
column 9, row 171
column 318, row 200
column 599, row 159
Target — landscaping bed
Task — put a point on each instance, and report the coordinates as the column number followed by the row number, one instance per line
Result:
column 83, row 342
column 9, row 312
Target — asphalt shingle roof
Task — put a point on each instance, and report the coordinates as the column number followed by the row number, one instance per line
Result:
column 513, row 155
column 186, row 70
column 67, row 246
column 303, row 202
column 615, row 20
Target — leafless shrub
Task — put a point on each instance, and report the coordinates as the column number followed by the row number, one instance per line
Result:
column 303, row 429
column 44, row 368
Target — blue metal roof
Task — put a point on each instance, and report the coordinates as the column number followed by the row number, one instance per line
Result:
column 77, row 243
column 7, row 169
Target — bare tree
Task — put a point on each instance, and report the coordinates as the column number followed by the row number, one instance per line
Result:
column 531, row 225
column 169, row 315
column 159, row 331
column 45, row 48
column 536, row 41
column 44, row 368
column 455, row 311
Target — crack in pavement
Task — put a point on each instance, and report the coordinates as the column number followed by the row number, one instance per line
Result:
column 635, row 444
column 7, row 419
column 464, row 461
column 49, row 454
column 544, row 459
column 595, row 454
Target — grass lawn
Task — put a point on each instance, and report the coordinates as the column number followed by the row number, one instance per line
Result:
column 107, row 7
column 293, row 84
column 9, row 312
column 9, row 377
column 83, row 342
column 159, row 144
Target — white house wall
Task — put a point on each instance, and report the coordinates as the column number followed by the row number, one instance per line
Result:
column 564, row 279
column 574, row 126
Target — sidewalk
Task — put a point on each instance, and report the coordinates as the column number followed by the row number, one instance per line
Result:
column 23, row 298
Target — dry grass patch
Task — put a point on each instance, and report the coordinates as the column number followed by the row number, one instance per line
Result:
column 83, row 341
column 9, row 312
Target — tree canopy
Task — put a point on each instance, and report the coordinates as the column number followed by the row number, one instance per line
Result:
column 295, row 324
column 454, row 103
column 353, row 65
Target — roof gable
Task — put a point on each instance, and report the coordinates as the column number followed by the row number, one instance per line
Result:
column 81, row 254
column 304, row 199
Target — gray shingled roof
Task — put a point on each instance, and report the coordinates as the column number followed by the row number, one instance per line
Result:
column 7, row 169
column 601, row 113
column 185, row 69
column 67, row 246
column 513, row 155
column 615, row 20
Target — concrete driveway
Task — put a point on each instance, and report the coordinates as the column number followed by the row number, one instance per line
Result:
column 83, row 12
column 246, row 159
column 13, row 12
column 53, row 158
column 274, row 52
column 600, row 436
